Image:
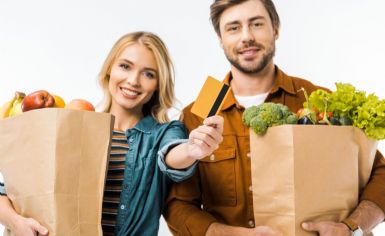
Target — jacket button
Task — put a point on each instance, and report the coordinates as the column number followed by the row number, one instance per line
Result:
column 212, row 157
column 250, row 188
column 248, row 155
column 251, row 223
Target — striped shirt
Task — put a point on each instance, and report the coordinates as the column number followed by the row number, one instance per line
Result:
column 2, row 189
column 114, row 181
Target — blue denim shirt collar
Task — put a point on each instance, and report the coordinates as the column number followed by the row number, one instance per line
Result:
column 145, row 125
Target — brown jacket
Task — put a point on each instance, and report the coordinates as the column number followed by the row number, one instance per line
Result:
column 220, row 190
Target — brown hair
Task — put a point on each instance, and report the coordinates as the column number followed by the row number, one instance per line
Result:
column 219, row 6
column 164, row 97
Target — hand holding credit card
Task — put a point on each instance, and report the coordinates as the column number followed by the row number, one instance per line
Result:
column 206, row 138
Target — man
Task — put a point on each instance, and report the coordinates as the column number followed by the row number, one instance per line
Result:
column 217, row 200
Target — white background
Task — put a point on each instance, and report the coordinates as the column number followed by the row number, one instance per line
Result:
column 60, row 45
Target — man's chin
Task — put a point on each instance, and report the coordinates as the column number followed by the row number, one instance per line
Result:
column 249, row 69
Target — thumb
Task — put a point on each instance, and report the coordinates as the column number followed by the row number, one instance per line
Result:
column 40, row 229
column 310, row 226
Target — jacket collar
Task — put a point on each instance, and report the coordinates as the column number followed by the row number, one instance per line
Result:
column 145, row 125
column 282, row 81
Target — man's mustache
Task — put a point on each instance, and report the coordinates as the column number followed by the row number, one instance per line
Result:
column 250, row 44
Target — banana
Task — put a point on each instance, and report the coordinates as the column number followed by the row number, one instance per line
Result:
column 8, row 107
column 16, row 107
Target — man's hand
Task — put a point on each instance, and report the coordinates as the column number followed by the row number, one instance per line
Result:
column 265, row 231
column 206, row 138
column 327, row 228
column 28, row 227
column 217, row 229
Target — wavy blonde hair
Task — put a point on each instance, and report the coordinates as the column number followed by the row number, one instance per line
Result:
column 164, row 97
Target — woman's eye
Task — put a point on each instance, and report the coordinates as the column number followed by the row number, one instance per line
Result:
column 124, row 66
column 149, row 75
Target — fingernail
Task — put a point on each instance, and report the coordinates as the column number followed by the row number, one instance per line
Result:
column 304, row 225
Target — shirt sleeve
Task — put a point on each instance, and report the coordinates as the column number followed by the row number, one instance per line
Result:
column 183, row 212
column 2, row 187
column 174, row 135
column 375, row 189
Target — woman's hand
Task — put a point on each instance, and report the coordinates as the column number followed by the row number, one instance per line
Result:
column 206, row 138
column 28, row 227
column 201, row 143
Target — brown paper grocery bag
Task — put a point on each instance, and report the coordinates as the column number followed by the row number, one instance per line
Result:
column 308, row 173
column 54, row 164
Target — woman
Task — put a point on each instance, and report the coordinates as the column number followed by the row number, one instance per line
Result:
column 148, row 151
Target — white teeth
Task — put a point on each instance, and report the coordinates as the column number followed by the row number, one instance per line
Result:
column 130, row 92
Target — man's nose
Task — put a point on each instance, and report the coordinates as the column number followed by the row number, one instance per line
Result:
column 247, row 35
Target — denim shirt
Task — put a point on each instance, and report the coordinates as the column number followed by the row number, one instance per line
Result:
column 147, row 179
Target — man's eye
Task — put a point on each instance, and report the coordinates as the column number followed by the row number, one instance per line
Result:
column 124, row 66
column 258, row 24
column 232, row 28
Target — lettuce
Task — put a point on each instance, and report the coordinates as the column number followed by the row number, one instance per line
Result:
column 318, row 100
column 366, row 112
column 345, row 100
column 370, row 116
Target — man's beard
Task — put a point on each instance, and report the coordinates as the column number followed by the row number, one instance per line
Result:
column 254, row 69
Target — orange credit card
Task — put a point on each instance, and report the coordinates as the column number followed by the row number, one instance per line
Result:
column 210, row 98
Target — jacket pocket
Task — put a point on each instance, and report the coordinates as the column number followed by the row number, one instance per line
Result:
column 218, row 178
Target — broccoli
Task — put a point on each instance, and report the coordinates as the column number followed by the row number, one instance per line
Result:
column 269, row 114
column 291, row 119
column 258, row 125
column 249, row 113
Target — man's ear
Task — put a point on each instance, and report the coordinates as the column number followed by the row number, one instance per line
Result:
column 276, row 33
column 220, row 41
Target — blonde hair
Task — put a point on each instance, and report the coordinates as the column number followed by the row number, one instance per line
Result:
column 164, row 97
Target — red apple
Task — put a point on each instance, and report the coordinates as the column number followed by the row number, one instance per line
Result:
column 80, row 104
column 37, row 100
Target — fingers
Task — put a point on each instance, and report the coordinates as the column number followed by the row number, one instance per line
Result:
column 208, row 135
column 310, row 226
column 204, row 135
column 206, row 138
column 216, row 127
column 326, row 228
column 266, row 230
column 215, row 121
column 42, row 231
column 38, row 227
column 203, row 141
